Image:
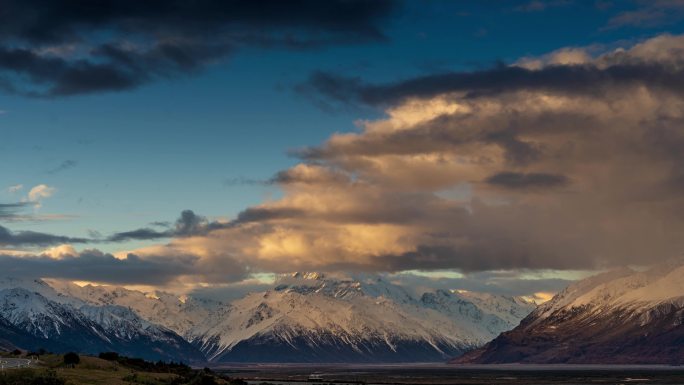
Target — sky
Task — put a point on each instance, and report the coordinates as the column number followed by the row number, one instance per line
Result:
column 507, row 146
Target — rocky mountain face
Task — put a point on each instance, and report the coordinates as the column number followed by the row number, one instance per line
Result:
column 619, row 317
column 11, row 337
column 304, row 318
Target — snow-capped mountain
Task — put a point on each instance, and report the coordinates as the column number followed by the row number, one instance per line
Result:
column 57, row 322
column 305, row 317
column 488, row 314
column 622, row 316
column 179, row 314
column 312, row 317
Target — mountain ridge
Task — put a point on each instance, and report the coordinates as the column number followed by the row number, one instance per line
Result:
column 618, row 317
column 304, row 317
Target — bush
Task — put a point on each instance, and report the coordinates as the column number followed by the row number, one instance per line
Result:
column 38, row 353
column 158, row 367
column 71, row 359
column 109, row 356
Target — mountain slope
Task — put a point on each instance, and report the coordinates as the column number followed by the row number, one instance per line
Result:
column 179, row 314
column 305, row 317
column 11, row 337
column 45, row 319
column 59, row 327
column 314, row 318
column 619, row 317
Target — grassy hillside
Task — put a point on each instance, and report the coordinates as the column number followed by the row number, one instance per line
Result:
column 51, row 370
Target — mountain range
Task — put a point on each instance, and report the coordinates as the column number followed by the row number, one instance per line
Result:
column 618, row 317
column 304, row 317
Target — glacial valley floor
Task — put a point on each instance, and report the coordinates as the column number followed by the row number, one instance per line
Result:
column 442, row 374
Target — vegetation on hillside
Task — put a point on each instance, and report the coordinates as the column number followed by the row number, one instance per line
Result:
column 108, row 369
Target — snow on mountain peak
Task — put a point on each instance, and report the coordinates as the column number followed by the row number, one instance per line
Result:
column 177, row 313
column 356, row 310
column 363, row 315
column 622, row 288
column 621, row 316
column 308, row 275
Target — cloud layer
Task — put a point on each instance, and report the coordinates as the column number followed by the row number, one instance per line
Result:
column 93, row 265
column 566, row 161
column 513, row 168
column 188, row 224
column 63, row 48
column 567, row 71
column 33, row 238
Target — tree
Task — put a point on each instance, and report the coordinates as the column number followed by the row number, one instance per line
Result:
column 71, row 359
column 109, row 356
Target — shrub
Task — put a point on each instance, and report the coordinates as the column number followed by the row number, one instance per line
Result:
column 109, row 356
column 71, row 359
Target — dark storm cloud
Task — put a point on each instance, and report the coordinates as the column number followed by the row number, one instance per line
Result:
column 33, row 238
column 517, row 151
column 60, row 76
column 444, row 133
column 152, row 268
column 258, row 214
column 187, row 225
column 587, row 79
column 139, row 234
column 41, row 21
column 489, row 282
column 93, row 265
column 481, row 253
column 518, row 180
column 63, row 47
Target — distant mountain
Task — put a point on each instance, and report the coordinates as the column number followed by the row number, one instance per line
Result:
column 619, row 317
column 39, row 317
column 306, row 317
column 179, row 314
column 316, row 318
